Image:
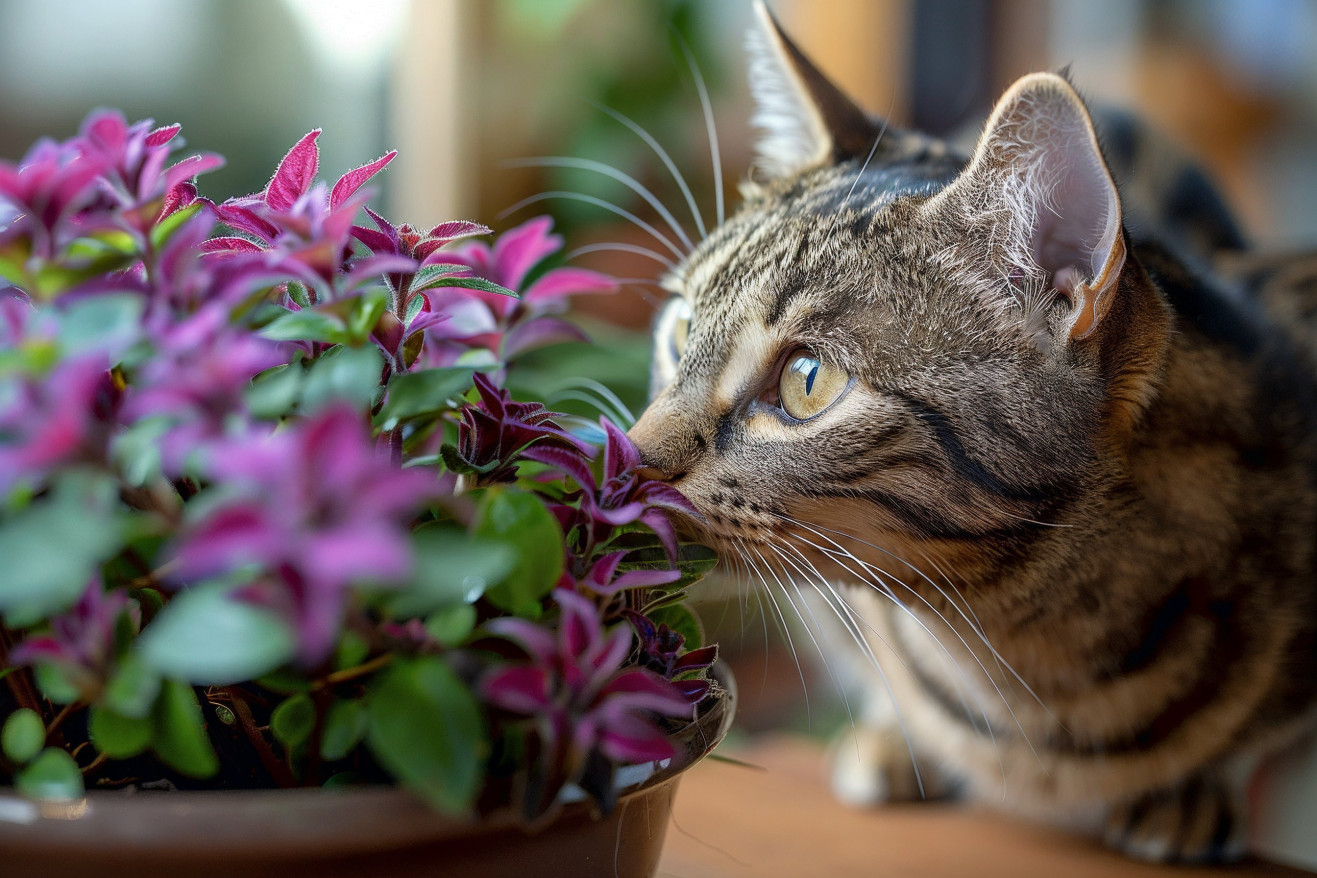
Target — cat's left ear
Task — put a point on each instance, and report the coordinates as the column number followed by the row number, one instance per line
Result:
column 1039, row 170
column 804, row 119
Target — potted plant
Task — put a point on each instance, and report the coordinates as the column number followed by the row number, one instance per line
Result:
column 270, row 518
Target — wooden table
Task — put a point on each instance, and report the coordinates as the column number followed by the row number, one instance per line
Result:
column 732, row 821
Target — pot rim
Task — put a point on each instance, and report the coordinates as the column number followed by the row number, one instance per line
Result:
column 316, row 821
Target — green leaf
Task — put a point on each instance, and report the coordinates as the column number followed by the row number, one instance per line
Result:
column 427, row 392
column 133, row 688
column 683, row 620
column 298, row 293
column 285, row 681
column 470, row 283
column 23, row 736
column 306, row 325
column 109, row 324
column 451, row 626
column 52, row 548
column 119, row 736
column 180, row 732
column 206, row 637
column 137, row 450
column 292, row 721
column 369, row 306
column 522, row 521
column 424, row 727
column 452, row 568
column 169, row 226
column 345, row 726
column 52, row 776
column 351, row 651
column 342, row 374
column 274, row 392
column 426, row 277
column 55, row 684
column 224, row 714
column 693, row 560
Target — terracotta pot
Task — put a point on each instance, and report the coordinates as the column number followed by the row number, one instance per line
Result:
column 347, row 832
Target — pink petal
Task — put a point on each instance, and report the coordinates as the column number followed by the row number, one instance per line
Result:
column 538, row 333
column 295, row 173
column 191, row 167
column 354, row 179
column 229, row 244
column 521, row 249
column 163, row 134
column 568, row 282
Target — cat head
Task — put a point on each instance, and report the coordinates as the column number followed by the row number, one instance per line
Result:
column 927, row 352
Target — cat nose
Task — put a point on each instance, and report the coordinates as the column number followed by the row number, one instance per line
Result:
column 655, row 435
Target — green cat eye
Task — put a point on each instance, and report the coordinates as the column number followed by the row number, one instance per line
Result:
column 808, row 386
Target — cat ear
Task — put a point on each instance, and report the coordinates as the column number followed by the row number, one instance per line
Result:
column 805, row 119
column 1039, row 166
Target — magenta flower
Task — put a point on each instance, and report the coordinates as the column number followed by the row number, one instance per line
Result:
column 662, row 650
column 515, row 326
column 316, row 508
column 623, row 496
column 301, row 227
column 81, row 641
column 577, row 692
column 135, row 182
column 61, row 418
column 604, row 578
column 198, row 378
column 494, row 430
column 51, row 183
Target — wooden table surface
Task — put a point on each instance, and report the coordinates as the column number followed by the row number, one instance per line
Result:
column 781, row 820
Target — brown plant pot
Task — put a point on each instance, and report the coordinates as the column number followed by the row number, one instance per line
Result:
column 346, row 832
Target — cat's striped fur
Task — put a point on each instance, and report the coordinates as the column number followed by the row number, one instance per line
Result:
column 1085, row 468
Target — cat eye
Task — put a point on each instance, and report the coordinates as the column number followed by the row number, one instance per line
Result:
column 680, row 325
column 808, row 386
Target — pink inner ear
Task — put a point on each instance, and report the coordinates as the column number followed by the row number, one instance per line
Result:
column 1077, row 210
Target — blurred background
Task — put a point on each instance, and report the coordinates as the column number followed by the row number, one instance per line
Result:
column 470, row 91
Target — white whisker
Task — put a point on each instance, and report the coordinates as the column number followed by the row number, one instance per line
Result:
column 663, row 157
column 600, row 203
column 634, row 249
column 715, row 155
column 559, row 161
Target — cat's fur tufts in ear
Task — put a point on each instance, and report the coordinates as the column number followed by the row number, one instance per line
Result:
column 1038, row 169
column 805, row 120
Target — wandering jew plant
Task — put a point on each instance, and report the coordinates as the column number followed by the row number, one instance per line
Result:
column 269, row 517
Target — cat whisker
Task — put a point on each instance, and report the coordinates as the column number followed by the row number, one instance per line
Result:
column 600, row 203
column 868, row 652
column 974, row 655
column 795, row 656
column 963, row 685
column 715, row 155
column 634, row 249
column 974, row 627
column 663, row 156
column 607, row 170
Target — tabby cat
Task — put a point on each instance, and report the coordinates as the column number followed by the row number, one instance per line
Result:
column 1062, row 477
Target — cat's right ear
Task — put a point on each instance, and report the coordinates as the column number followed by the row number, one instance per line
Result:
column 804, row 119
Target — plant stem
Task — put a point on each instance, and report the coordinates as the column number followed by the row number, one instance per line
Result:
column 101, row 759
column 282, row 776
column 60, row 717
column 362, row 670
column 18, row 680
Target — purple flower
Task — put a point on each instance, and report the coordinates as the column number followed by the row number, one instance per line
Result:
column 578, row 692
column 135, row 182
column 55, row 420
column 316, row 508
column 51, row 183
column 198, row 377
column 298, row 226
column 662, row 650
column 81, row 641
column 623, row 496
column 513, row 326
column 493, row 430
